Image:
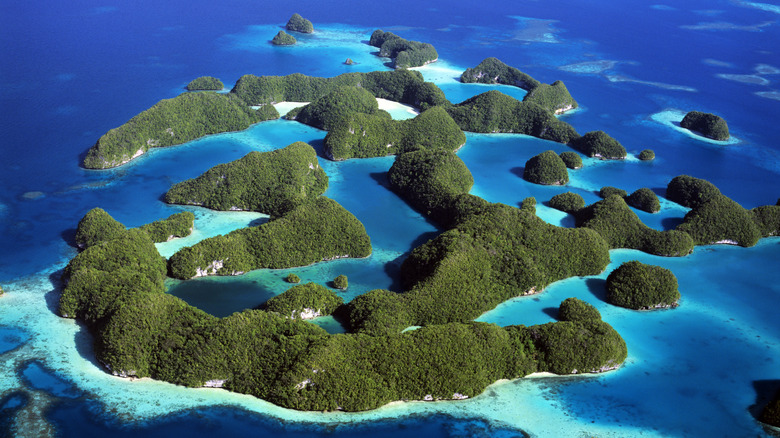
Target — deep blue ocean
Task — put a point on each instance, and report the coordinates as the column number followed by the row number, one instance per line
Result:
column 70, row 71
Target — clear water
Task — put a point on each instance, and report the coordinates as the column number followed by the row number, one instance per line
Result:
column 79, row 70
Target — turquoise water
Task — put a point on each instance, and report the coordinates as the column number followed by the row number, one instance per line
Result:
column 80, row 70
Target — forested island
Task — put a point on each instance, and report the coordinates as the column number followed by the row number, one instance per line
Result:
column 707, row 124
column 404, row 53
column 296, row 23
column 485, row 254
column 283, row 38
column 205, row 83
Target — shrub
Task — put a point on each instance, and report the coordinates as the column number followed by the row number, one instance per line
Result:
column 341, row 282
column 304, row 301
column 568, row 202
column 645, row 200
column 283, row 39
column 572, row 160
column 97, row 226
column 600, row 145
column 635, row 285
column 297, row 23
column 546, row 168
column 292, row 278
column 647, row 155
column 607, row 191
column 574, row 309
column 269, row 182
column 709, row 125
column 205, row 83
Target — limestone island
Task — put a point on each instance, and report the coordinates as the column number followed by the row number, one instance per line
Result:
column 546, row 168
column 635, row 285
column 554, row 97
column 305, row 301
column 404, row 53
column 296, row 23
column 571, row 159
column 647, row 155
column 708, row 125
column 283, row 39
column 204, row 83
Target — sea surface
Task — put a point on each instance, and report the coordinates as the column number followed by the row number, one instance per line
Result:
column 70, row 71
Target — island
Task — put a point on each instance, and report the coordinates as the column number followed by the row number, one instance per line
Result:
column 607, row 191
column 567, row 202
column 170, row 122
column 97, row 226
column 638, row 286
column 546, row 168
column 283, row 39
column 364, row 135
column 328, row 111
column 205, row 83
column 614, row 220
column 267, row 182
column 404, row 53
column 493, row 71
column 647, row 155
column 494, row 112
column 305, row 301
column 599, row 144
column 430, row 180
column 574, row 309
column 716, row 218
column 553, row 97
column 571, row 159
column 644, row 199
column 292, row 278
column 707, row 124
column 341, row 282
column 296, row 23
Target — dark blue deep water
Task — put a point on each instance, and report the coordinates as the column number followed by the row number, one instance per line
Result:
column 70, row 71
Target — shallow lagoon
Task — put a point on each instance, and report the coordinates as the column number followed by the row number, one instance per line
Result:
column 712, row 353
